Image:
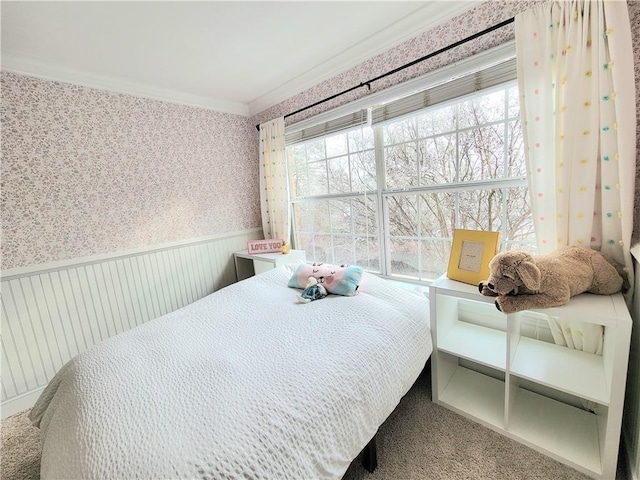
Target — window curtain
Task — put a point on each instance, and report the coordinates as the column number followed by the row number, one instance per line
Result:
column 576, row 80
column 274, row 184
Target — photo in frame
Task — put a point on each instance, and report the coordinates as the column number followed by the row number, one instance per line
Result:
column 471, row 252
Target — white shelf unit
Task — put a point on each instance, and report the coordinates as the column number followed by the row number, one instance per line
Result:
column 559, row 401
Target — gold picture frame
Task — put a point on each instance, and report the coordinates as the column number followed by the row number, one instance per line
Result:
column 471, row 252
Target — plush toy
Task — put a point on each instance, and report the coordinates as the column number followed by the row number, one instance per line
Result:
column 522, row 282
column 338, row 280
column 312, row 291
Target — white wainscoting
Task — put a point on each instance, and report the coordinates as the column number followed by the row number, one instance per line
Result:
column 53, row 312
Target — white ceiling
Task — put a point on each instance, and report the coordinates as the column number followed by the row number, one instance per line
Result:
column 239, row 57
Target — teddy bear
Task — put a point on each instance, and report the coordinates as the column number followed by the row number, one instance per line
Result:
column 521, row 281
column 313, row 290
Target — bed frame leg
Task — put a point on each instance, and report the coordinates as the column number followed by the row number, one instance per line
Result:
column 370, row 455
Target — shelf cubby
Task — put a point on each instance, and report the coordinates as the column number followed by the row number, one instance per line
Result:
column 561, row 431
column 475, row 395
column 567, row 370
column 476, row 343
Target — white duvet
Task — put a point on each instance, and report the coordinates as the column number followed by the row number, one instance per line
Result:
column 245, row 383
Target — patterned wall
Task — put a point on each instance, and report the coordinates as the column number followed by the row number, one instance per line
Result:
column 86, row 171
column 479, row 18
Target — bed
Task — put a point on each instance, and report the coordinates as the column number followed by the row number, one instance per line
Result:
column 244, row 383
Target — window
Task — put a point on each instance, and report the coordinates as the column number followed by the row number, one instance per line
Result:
column 388, row 196
column 335, row 199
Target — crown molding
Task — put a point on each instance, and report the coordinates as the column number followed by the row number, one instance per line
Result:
column 24, row 65
column 418, row 22
column 410, row 26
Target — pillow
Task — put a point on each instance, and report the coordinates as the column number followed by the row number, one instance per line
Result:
column 337, row 280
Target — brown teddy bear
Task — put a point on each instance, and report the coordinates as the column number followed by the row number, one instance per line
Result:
column 524, row 282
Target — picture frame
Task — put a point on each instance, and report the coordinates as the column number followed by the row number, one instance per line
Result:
column 471, row 252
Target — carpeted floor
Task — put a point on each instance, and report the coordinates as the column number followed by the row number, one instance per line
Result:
column 420, row 440
column 20, row 449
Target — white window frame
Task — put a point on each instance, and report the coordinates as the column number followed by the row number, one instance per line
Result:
column 472, row 64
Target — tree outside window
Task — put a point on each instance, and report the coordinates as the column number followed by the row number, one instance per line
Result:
column 457, row 165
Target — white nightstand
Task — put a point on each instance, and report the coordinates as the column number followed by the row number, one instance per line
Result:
column 248, row 265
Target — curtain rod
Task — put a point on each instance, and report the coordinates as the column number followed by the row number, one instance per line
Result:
column 402, row 67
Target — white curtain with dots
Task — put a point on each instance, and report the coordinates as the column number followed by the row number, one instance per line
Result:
column 576, row 80
column 274, row 184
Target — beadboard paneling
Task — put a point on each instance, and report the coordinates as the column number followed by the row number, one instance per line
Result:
column 52, row 314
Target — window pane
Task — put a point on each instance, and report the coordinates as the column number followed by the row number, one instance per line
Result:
column 516, row 166
column 300, row 183
column 339, row 230
column 304, row 241
column 320, row 215
column 340, row 212
column 435, row 258
column 513, row 97
column 361, row 139
column 482, row 109
column 404, row 257
column 337, row 145
column 343, row 250
column 303, row 218
column 365, row 215
column 527, row 247
column 315, row 150
column 339, row 175
column 437, row 214
column 481, row 209
column 322, row 249
column 403, row 215
column 297, row 160
column 398, row 132
column 318, row 183
column 368, row 253
column 437, row 160
column 363, row 171
column 297, row 154
column 519, row 217
column 437, row 120
column 481, row 153
column 401, row 165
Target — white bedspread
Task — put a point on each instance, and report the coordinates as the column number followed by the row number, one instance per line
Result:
column 245, row 383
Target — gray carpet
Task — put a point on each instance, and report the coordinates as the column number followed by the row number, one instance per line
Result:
column 420, row 440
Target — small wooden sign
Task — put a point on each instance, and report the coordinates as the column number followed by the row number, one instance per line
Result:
column 271, row 245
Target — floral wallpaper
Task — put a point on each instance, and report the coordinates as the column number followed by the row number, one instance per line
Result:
column 475, row 20
column 86, row 171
